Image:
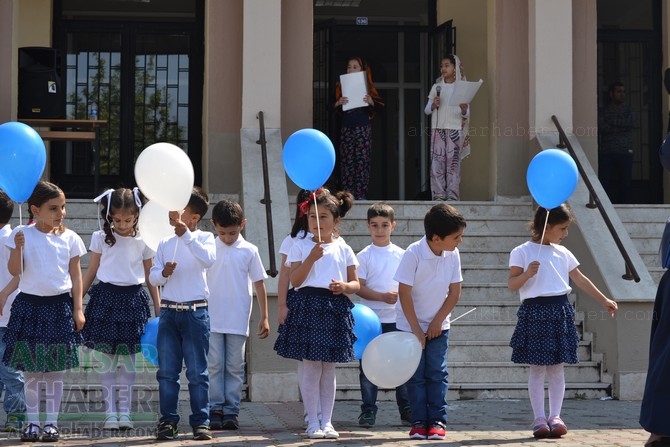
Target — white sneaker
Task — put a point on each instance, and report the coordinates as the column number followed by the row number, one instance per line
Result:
column 111, row 423
column 125, row 423
column 315, row 433
column 329, row 432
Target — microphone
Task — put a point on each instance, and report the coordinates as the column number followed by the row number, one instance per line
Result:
column 438, row 89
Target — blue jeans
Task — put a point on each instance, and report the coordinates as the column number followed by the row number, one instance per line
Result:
column 12, row 382
column 226, row 372
column 183, row 337
column 369, row 389
column 427, row 389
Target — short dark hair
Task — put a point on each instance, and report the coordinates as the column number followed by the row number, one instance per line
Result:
column 199, row 202
column 442, row 220
column 613, row 86
column 381, row 209
column 227, row 213
column 6, row 208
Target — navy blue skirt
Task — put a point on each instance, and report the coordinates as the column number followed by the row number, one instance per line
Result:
column 41, row 335
column 115, row 318
column 319, row 327
column 656, row 398
column 545, row 332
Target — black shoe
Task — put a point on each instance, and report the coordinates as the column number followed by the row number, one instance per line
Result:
column 31, row 433
column 216, row 420
column 202, row 433
column 406, row 416
column 230, row 422
column 367, row 419
column 50, row 433
column 167, row 431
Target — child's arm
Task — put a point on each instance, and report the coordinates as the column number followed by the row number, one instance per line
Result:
column 77, row 306
column 91, row 271
column 518, row 277
column 300, row 270
column 390, row 297
column 407, row 304
column 282, row 290
column 160, row 270
column 435, row 326
column 348, row 288
column 153, row 290
column 591, row 290
column 11, row 286
column 262, row 298
column 14, row 263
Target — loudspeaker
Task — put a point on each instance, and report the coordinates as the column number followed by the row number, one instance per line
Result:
column 41, row 90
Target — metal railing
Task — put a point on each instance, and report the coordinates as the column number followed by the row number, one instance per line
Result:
column 594, row 202
column 267, row 200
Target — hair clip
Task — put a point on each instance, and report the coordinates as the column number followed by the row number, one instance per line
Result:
column 304, row 207
column 136, row 195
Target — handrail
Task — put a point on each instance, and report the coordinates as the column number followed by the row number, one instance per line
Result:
column 594, row 202
column 272, row 271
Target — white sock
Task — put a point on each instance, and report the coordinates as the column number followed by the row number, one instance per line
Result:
column 536, row 390
column 108, row 382
column 53, row 395
column 32, row 386
column 126, row 383
column 556, row 379
column 311, row 378
column 327, row 392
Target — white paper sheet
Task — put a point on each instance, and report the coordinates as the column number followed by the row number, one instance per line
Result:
column 464, row 92
column 355, row 89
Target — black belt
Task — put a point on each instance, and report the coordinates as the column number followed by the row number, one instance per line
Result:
column 186, row 306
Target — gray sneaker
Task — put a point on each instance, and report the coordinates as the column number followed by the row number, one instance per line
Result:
column 367, row 419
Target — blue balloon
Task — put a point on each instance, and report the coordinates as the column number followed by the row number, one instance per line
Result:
column 149, row 341
column 22, row 160
column 366, row 327
column 309, row 158
column 552, row 177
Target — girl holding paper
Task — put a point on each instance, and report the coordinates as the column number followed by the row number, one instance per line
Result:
column 449, row 137
column 356, row 133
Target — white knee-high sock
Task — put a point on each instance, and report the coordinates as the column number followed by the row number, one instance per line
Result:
column 536, row 390
column 556, row 379
column 108, row 382
column 327, row 392
column 32, row 387
column 311, row 378
column 126, row 383
column 53, row 395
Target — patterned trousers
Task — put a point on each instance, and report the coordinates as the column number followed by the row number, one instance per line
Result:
column 445, row 164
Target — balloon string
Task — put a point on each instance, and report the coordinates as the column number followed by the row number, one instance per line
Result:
column 542, row 238
column 176, row 244
column 316, row 212
column 462, row 315
column 20, row 225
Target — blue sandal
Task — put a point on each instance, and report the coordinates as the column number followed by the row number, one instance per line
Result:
column 31, row 433
column 50, row 433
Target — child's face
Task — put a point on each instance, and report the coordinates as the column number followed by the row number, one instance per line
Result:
column 229, row 235
column 326, row 223
column 447, row 70
column 50, row 214
column 380, row 230
column 447, row 243
column 123, row 222
column 353, row 66
column 556, row 233
column 188, row 217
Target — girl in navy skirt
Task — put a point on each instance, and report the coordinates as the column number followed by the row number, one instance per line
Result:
column 118, row 308
column 545, row 336
column 318, row 328
column 43, row 330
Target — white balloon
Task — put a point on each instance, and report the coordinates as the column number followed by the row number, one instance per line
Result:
column 154, row 224
column 164, row 174
column 391, row 359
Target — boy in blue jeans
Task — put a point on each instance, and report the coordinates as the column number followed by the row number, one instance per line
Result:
column 379, row 291
column 238, row 265
column 11, row 379
column 180, row 266
column 429, row 277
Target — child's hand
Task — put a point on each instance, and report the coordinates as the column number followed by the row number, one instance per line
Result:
column 337, row 287
column 179, row 226
column 342, row 101
column 421, row 337
column 390, row 297
column 263, row 328
column 316, row 253
column 19, row 239
column 611, row 307
column 282, row 314
column 436, row 102
column 532, row 269
column 79, row 320
column 434, row 330
column 368, row 100
column 169, row 269
column 3, row 301
column 464, row 109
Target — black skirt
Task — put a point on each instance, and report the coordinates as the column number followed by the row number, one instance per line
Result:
column 41, row 335
column 545, row 332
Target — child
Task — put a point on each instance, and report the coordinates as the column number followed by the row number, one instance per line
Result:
column 118, row 309
column 429, row 277
column 378, row 263
column 238, row 265
column 449, row 142
column 180, row 266
column 43, row 330
column 356, row 133
column 545, row 335
column 11, row 379
column 319, row 326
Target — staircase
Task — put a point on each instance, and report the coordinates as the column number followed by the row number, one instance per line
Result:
column 479, row 355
